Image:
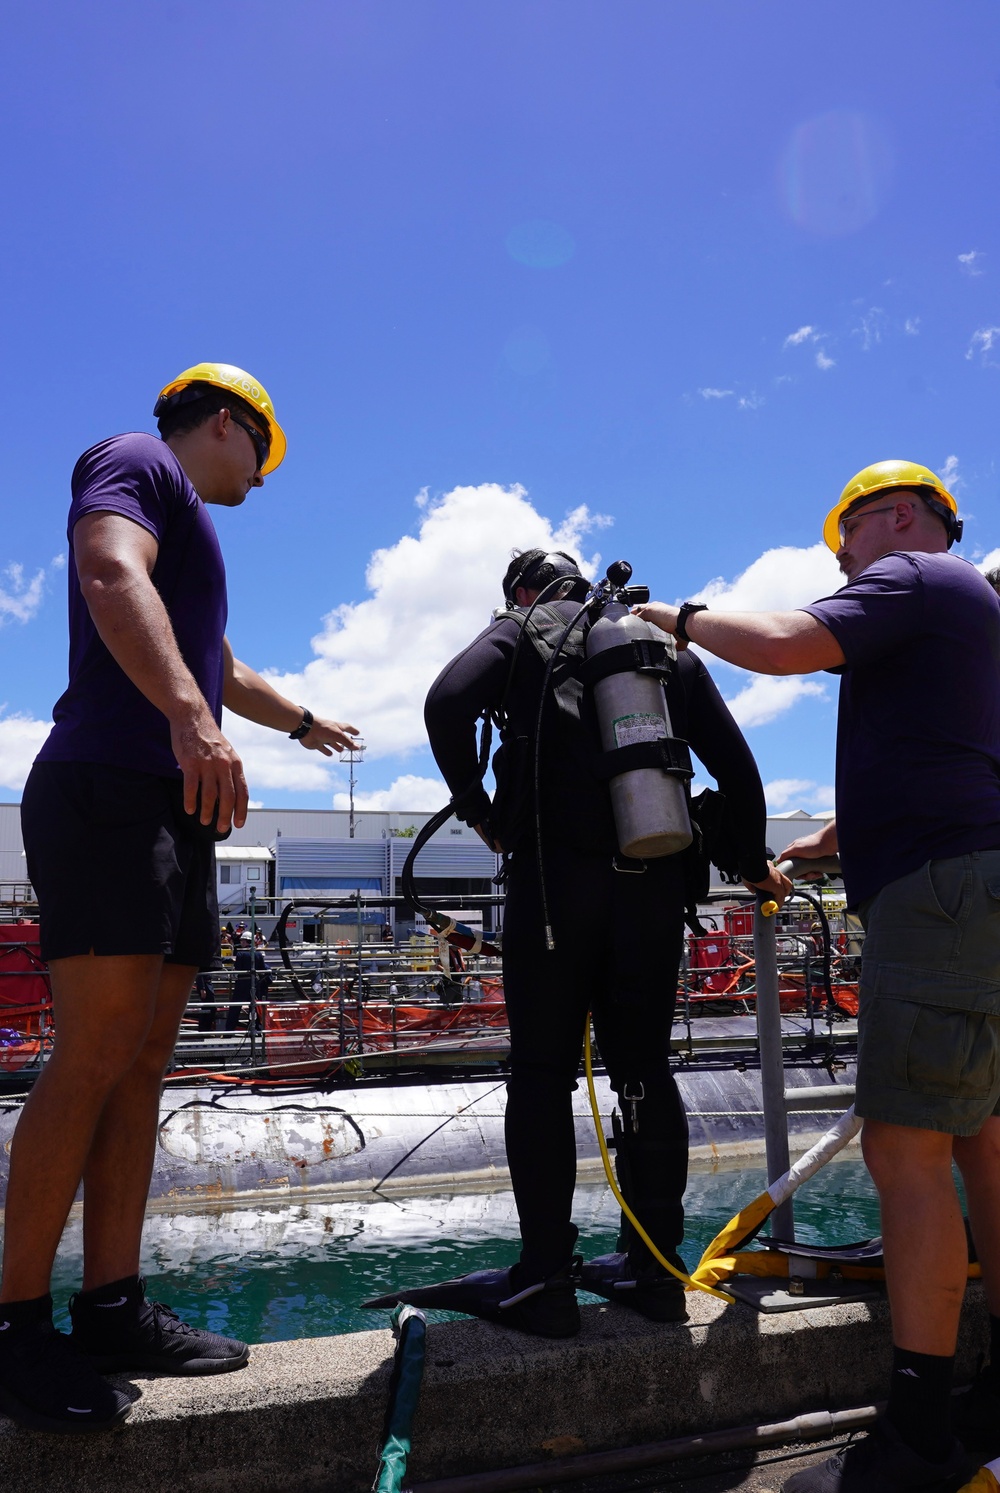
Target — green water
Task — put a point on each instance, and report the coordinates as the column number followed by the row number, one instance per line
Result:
column 285, row 1271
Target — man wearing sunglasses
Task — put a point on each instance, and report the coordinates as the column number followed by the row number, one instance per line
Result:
column 137, row 781
column 915, row 637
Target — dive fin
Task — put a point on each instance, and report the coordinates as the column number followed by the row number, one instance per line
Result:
column 483, row 1293
column 652, row 1292
column 865, row 1252
column 546, row 1307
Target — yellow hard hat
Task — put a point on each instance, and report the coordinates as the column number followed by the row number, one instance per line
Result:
column 226, row 376
column 883, row 475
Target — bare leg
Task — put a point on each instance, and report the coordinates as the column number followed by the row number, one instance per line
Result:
column 978, row 1158
column 103, row 1008
column 120, row 1163
column 926, row 1258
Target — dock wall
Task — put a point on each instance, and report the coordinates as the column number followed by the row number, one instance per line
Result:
column 305, row 1417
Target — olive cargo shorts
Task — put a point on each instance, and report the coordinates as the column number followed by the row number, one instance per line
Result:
column 929, row 1017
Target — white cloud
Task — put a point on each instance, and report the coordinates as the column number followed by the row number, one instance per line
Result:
column 766, row 696
column 972, row 262
column 811, row 334
column 716, row 393
column 407, row 793
column 20, row 739
column 989, row 562
column 872, row 327
column 778, row 580
column 982, row 343
column 374, row 660
column 911, row 326
column 19, row 598
column 949, row 474
column 750, row 401
column 798, row 793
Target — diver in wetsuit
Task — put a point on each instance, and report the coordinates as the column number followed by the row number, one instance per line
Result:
column 618, row 932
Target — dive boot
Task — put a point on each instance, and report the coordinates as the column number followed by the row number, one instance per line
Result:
column 648, row 1289
column 546, row 1308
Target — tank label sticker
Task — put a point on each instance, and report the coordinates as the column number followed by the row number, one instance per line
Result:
column 630, row 730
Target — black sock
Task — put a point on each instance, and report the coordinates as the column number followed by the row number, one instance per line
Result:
column 33, row 1313
column 105, row 1293
column 920, row 1402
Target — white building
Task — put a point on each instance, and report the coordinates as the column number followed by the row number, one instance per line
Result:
column 306, row 854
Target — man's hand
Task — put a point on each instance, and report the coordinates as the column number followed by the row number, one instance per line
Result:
column 245, row 693
column 776, row 885
column 488, row 839
column 817, row 846
column 660, row 614
column 330, row 736
column 213, row 773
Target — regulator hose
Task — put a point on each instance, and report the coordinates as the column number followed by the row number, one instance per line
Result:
column 691, row 1284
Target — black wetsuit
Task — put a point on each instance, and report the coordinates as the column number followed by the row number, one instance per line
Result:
column 618, row 934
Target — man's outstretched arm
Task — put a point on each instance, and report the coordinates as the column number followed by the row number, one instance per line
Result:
column 766, row 642
column 245, row 693
column 114, row 561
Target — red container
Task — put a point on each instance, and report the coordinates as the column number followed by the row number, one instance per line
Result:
column 24, row 990
column 708, row 952
column 709, row 960
column 739, row 922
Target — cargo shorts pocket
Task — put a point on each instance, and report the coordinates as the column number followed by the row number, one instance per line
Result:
column 939, row 1051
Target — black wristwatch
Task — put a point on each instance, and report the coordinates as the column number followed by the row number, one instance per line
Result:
column 304, row 727
column 680, row 628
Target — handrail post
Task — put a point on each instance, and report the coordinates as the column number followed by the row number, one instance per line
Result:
column 772, row 1066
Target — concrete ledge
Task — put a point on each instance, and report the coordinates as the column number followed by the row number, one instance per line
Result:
column 305, row 1417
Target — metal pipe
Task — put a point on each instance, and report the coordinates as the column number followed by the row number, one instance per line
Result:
column 772, row 1068
column 812, row 1427
column 825, row 1096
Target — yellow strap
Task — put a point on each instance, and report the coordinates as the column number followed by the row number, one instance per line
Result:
column 694, row 1285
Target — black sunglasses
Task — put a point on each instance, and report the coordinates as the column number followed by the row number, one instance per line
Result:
column 260, row 444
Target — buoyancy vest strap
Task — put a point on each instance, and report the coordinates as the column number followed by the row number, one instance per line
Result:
column 670, row 754
column 637, row 656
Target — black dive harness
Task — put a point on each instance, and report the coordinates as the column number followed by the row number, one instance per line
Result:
column 647, row 656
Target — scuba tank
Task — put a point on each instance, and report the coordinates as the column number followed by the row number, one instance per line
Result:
column 627, row 661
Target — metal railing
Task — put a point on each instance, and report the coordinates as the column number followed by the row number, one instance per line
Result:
column 779, row 1102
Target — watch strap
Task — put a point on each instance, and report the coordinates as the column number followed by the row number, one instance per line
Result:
column 680, row 630
column 304, row 726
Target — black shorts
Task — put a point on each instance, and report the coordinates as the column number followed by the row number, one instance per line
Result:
column 115, row 867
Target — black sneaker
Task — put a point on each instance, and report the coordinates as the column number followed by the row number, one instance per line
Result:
column 881, row 1462
column 649, row 1290
column 119, row 1330
column 46, row 1385
column 976, row 1413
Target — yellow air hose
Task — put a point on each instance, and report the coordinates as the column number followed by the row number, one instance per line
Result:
column 692, row 1285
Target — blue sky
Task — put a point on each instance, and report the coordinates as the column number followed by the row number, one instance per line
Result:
column 683, row 266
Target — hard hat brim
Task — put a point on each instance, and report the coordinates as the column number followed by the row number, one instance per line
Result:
column 221, row 376
column 831, row 524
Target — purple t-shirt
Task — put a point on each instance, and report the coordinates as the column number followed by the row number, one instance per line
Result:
column 103, row 716
column 918, row 737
